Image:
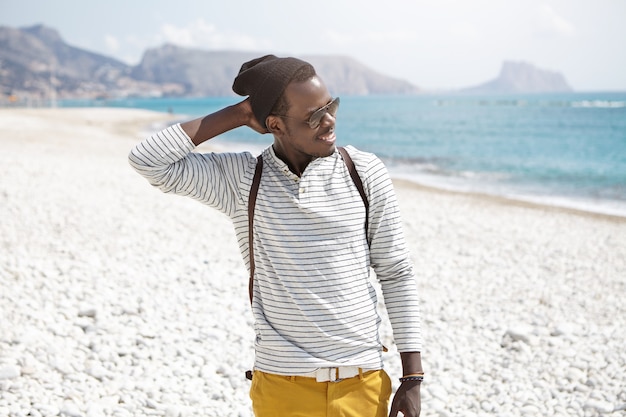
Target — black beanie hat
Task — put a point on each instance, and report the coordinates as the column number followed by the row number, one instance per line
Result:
column 264, row 79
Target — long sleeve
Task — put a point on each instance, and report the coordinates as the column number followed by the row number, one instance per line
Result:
column 166, row 160
column 390, row 256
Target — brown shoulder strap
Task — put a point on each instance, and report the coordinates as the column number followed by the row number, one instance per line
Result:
column 251, row 204
column 357, row 181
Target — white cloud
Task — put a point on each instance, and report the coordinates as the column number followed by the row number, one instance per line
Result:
column 338, row 38
column 548, row 22
column 391, row 36
column 464, row 31
column 111, row 43
column 343, row 39
column 200, row 34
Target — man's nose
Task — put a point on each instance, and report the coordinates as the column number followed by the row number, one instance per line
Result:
column 327, row 118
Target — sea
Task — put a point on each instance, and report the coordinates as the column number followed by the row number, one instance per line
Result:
column 566, row 150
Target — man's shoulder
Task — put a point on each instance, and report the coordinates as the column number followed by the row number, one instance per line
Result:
column 362, row 160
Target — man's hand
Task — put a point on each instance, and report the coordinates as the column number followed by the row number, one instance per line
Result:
column 407, row 400
column 250, row 119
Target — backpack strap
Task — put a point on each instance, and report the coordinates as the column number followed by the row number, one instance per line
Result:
column 255, row 189
column 357, row 181
column 251, row 204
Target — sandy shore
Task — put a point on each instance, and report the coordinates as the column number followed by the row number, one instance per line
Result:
column 119, row 300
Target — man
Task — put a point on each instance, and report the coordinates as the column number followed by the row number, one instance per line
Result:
column 317, row 349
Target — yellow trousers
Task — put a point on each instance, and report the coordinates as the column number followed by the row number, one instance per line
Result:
column 365, row 395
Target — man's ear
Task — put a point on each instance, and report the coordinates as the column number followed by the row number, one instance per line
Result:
column 274, row 124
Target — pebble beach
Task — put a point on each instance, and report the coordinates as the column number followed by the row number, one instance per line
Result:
column 119, row 300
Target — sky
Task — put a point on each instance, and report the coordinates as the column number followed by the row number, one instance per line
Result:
column 434, row 44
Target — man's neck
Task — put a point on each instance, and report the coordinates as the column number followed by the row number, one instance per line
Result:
column 297, row 165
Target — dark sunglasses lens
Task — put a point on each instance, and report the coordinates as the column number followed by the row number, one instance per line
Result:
column 316, row 118
column 333, row 107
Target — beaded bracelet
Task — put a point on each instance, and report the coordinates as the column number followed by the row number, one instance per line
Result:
column 413, row 377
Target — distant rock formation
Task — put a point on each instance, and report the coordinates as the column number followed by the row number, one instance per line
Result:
column 522, row 77
column 196, row 72
column 36, row 61
column 209, row 73
column 347, row 76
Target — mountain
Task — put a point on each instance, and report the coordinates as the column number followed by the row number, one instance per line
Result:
column 196, row 72
column 210, row 73
column 350, row 77
column 36, row 62
column 36, row 58
column 522, row 77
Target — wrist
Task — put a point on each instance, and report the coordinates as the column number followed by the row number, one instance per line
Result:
column 416, row 377
column 241, row 113
column 411, row 363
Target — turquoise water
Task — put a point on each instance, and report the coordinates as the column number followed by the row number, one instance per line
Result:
column 567, row 149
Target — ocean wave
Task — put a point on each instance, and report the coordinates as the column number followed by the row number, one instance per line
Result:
column 440, row 167
column 497, row 186
column 483, row 102
column 599, row 104
column 486, row 102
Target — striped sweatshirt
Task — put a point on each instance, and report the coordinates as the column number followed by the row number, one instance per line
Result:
column 314, row 304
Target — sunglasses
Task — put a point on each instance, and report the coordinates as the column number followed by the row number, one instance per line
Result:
column 316, row 118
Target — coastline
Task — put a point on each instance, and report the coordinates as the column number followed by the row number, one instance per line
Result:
column 119, row 299
column 160, row 120
column 138, row 123
column 401, row 183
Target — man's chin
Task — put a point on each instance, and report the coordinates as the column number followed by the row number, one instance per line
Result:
column 328, row 151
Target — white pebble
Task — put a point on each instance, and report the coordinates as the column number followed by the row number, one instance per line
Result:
column 172, row 411
column 437, row 391
column 70, row 410
column 565, row 329
column 576, row 375
column 88, row 312
column 600, row 406
column 9, row 372
column 520, row 333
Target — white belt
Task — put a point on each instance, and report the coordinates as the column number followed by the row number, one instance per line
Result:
column 334, row 374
